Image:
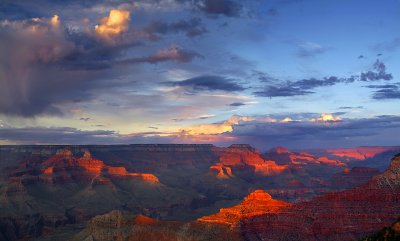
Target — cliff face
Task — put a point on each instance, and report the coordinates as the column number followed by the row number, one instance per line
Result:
column 354, row 177
column 246, row 157
column 346, row 215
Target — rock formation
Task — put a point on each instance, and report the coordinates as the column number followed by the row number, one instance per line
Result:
column 345, row 215
column 65, row 167
column 256, row 203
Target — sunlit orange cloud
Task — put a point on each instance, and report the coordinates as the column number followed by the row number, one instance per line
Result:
column 114, row 24
column 54, row 21
column 327, row 118
column 287, row 119
column 207, row 138
column 217, row 128
column 39, row 25
column 267, row 120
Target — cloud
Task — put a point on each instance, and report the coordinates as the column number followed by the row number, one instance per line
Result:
column 385, row 92
column 228, row 8
column 281, row 91
column 378, row 73
column 113, row 25
column 310, row 49
column 237, row 104
column 325, row 117
column 277, row 88
column 261, row 132
column 213, row 129
column 29, row 81
column 171, row 53
column 192, row 27
column 208, row 83
column 200, row 117
column 350, row 107
column 307, row 134
column 56, row 135
column 45, row 65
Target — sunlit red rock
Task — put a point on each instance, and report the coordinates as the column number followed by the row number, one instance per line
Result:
column 65, row 167
column 256, row 203
column 221, row 172
column 246, row 156
column 284, row 156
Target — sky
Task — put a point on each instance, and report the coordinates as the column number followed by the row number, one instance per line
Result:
column 293, row 73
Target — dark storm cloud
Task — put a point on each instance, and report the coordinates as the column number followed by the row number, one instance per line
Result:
column 384, row 92
column 28, row 85
column 312, row 134
column 192, row 27
column 44, row 65
column 306, row 86
column 208, row 83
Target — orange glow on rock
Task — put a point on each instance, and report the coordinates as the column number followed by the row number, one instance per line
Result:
column 48, row 170
column 256, row 203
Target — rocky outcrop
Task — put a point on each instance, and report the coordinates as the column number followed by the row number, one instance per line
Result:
column 221, row 172
column 256, row 203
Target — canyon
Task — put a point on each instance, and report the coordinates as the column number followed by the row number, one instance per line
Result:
column 195, row 192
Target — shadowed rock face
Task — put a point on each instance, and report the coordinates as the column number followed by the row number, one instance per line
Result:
column 391, row 233
column 354, row 177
